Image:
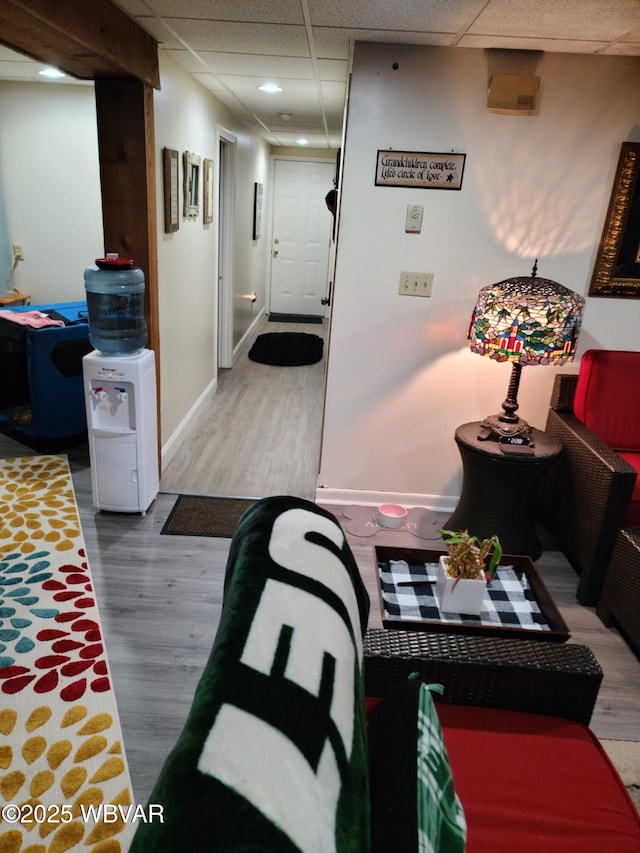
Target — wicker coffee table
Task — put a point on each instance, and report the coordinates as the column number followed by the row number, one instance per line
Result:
column 518, row 604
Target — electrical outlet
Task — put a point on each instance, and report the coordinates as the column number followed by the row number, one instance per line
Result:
column 415, row 283
column 18, row 253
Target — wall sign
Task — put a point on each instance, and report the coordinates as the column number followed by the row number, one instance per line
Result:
column 426, row 170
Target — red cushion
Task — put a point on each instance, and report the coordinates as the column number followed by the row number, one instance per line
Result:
column 607, row 397
column 632, row 518
column 535, row 784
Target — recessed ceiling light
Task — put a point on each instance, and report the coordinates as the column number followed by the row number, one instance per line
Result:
column 270, row 88
column 53, row 73
column 286, row 116
column 302, row 141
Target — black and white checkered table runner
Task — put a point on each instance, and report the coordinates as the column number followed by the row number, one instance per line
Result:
column 510, row 600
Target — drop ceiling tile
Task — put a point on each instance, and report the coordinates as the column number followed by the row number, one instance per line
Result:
column 333, row 92
column 435, row 16
column 336, row 44
column 134, row 8
column 273, row 11
column 230, row 37
column 551, row 45
column 333, row 69
column 160, row 33
column 302, row 122
column 282, row 67
column 622, row 49
column 291, row 88
column 314, row 140
column 582, row 20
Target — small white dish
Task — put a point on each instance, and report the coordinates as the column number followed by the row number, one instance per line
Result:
column 391, row 516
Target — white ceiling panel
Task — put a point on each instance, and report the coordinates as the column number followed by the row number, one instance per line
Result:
column 336, row 44
column 292, row 89
column 264, row 11
column 277, row 39
column 436, row 16
column 134, row 7
column 623, row 49
column 582, row 20
column 550, row 45
column 231, row 46
column 241, row 64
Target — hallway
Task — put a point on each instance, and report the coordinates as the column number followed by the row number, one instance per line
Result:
column 260, row 434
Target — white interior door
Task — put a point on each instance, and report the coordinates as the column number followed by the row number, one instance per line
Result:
column 301, row 237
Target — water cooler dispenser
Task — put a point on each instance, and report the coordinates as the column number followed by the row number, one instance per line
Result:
column 120, row 396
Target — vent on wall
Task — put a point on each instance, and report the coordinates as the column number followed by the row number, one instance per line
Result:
column 513, row 94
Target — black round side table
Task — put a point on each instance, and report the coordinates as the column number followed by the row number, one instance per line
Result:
column 498, row 488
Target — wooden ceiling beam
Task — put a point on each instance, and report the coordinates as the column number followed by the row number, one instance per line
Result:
column 86, row 40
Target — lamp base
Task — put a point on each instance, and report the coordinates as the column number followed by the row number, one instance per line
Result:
column 506, row 430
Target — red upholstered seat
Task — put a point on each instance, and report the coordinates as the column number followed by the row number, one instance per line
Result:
column 544, row 781
column 606, row 398
column 607, row 401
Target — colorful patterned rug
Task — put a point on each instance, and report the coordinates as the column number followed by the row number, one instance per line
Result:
column 64, row 780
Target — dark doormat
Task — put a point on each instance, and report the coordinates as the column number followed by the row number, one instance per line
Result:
column 294, row 318
column 197, row 515
column 287, row 349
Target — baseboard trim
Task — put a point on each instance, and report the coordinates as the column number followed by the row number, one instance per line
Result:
column 437, row 503
column 174, row 444
column 247, row 335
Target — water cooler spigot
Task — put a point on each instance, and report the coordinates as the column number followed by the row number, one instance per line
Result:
column 98, row 393
column 121, row 394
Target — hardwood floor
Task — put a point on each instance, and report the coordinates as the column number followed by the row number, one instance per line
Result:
column 160, row 597
column 260, row 434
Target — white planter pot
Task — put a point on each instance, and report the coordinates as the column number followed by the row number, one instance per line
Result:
column 466, row 597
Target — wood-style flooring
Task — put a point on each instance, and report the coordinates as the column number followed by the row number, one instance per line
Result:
column 260, row 433
column 160, row 597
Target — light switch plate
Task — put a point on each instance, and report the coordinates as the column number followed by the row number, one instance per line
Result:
column 413, row 219
column 415, row 283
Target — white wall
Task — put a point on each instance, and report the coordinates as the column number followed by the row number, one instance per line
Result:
column 400, row 375
column 51, row 186
column 189, row 118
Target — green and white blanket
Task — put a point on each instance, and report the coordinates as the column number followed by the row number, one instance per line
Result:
column 273, row 754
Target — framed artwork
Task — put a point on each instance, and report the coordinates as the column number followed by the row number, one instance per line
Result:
column 207, row 192
column 617, row 267
column 257, row 210
column 191, row 184
column 170, row 170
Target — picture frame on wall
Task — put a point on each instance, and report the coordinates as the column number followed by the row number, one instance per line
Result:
column 616, row 271
column 170, row 169
column 207, row 192
column 257, row 210
column 191, row 184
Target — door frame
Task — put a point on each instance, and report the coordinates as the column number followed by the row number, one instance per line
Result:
column 226, row 148
column 272, row 183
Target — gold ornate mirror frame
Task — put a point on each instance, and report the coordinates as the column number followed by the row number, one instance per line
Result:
column 617, row 267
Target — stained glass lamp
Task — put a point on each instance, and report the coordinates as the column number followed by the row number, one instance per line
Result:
column 527, row 321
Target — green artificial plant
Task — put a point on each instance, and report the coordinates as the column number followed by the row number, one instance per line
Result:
column 471, row 557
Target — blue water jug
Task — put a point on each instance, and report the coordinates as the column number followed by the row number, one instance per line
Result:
column 115, row 306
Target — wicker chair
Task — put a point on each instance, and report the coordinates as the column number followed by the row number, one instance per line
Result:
column 587, row 496
column 557, row 679
column 619, row 603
